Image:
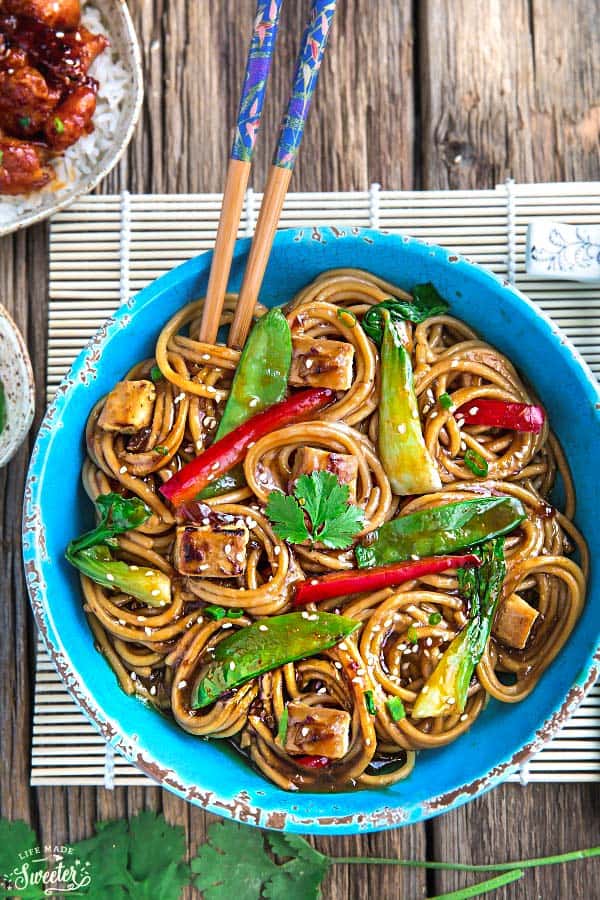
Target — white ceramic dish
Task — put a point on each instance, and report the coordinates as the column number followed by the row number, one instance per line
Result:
column 117, row 24
column 19, row 388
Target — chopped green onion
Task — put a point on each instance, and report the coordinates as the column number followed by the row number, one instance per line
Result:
column 156, row 374
column 476, row 463
column 215, row 612
column 445, row 401
column 59, row 125
column 235, row 613
column 412, row 635
column 283, row 727
column 395, row 707
column 25, row 122
column 160, row 448
column 370, row 703
column 435, row 618
column 346, row 314
column 1, row 157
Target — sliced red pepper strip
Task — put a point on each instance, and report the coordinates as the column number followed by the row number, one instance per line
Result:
column 358, row 581
column 501, row 414
column 313, row 762
column 223, row 455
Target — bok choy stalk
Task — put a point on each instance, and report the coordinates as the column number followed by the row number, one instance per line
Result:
column 445, row 691
column 90, row 553
column 405, row 457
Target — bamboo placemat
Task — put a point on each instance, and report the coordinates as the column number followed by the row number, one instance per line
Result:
column 103, row 249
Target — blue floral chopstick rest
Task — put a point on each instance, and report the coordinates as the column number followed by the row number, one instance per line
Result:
column 560, row 250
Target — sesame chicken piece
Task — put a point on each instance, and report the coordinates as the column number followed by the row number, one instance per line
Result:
column 317, row 731
column 514, row 620
column 56, row 13
column 321, row 363
column 343, row 465
column 211, row 551
column 129, row 407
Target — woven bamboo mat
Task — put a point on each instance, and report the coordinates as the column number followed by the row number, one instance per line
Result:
column 103, row 249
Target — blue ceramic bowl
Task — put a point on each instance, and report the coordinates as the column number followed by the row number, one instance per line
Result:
column 209, row 773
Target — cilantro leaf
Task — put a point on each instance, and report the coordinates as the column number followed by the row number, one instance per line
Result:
column 105, row 857
column 235, row 863
column 338, row 533
column 300, row 877
column 320, row 496
column 287, row 518
column 16, row 840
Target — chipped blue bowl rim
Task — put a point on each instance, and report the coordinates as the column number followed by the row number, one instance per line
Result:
column 205, row 772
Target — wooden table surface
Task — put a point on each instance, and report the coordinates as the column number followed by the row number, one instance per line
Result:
column 436, row 94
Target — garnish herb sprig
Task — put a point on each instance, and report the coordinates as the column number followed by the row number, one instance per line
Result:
column 320, row 498
column 144, row 859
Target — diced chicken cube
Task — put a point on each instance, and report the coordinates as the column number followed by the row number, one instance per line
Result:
column 317, row 731
column 129, row 407
column 514, row 620
column 342, row 465
column 321, row 363
column 211, row 551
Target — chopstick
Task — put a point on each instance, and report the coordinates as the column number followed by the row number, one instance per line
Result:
column 305, row 80
column 258, row 65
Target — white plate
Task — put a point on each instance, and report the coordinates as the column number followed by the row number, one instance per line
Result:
column 19, row 388
column 117, row 24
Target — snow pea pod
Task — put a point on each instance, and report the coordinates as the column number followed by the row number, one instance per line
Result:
column 442, row 530
column 260, row 381
column 265, row 645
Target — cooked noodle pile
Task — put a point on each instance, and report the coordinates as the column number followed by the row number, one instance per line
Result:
column 157, row 652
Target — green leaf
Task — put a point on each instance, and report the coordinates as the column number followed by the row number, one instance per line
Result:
column 153, row 845
column 107, row 855
column 118, row 514
column 425, row 302
column 16, row 840
column 338, row 532
column 287, row 518
column 300, row 877
column 233, row 863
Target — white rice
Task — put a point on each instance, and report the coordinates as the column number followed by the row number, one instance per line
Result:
column 83, row 157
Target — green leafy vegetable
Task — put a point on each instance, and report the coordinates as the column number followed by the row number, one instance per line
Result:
column 143, row 859
column 395, row 707
column 425, row 302
column 476, row 463
column 118, row 514
column 91, row 555
column 320, row 497
column 445, row 691
column 235, row 862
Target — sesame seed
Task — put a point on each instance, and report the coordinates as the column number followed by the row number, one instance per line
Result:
column 199, row 444
column 251, row 445
column 253, row 402
column 110, row 577
column 308, row 363
column 343, row 646
column 367, row 742
column 133, row 568
column 122, row 622
column 232, row 665
column 313, row 581
column 414, row 556
column 203, row 567
column 305, row 731
column 123, row 470
column 141, row 618
column 133, row 676
column 424, row 689
column 206, row 356
column 450, row 701
column 313, row 618
column 147, row 630
column 263, row 628
column 156, row 592
column 428, row 642
column 240, row 557
column 474, row 410
column 304, row 614
column 206, row 521
column 182, row 684
column 338, row 665
column 150, row 573
column 357, row 681
column 227, row 625
column 322, row 690
column 401, row 428
column 464, row 717
column 276, row 550
column 215, row 466
column 228, row 549
column 153, row 690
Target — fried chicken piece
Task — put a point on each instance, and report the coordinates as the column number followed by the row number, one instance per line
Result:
column 65, row 56
column 54, row 13
column 72, row 119
column 23, row 167
column 26, row 99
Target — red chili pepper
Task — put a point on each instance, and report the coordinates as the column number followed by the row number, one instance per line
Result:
column 357, row 581
column 500, row 414
column 313, row 762
column 223, row 455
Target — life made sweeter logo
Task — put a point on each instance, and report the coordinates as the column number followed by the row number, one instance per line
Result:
column 52, row 870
